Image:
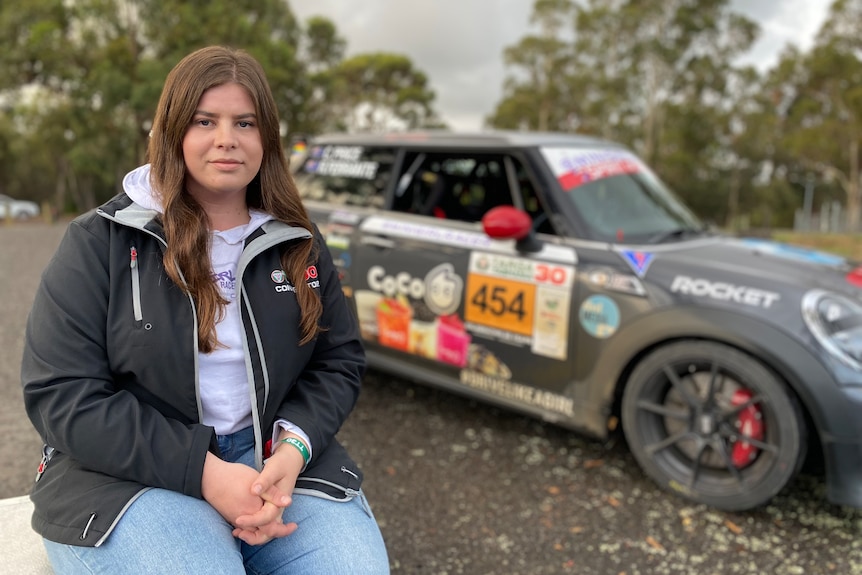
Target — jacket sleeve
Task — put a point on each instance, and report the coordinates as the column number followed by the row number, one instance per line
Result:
column 69, row 392
column 328, row 386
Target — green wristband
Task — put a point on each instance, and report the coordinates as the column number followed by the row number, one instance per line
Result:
column 299, row 445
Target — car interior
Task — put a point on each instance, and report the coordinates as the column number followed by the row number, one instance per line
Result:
column 465, row 188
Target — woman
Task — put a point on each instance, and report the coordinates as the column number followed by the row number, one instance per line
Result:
column 180, row 329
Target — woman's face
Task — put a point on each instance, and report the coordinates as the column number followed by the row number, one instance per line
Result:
column 222, row 147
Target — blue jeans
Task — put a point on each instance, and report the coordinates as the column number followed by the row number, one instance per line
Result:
column 333, row 537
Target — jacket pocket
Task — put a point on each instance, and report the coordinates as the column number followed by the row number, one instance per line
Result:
column 333, row 475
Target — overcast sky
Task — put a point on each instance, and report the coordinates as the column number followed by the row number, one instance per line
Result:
column 459, row 43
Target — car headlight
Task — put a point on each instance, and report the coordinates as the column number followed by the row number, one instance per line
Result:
column 836, row 322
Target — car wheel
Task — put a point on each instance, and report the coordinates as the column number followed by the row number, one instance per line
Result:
column 713, row 424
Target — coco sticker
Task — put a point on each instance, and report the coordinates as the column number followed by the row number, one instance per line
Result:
column 443, row 289
column 599, row 316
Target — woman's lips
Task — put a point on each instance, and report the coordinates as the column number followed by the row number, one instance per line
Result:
column 226, row 164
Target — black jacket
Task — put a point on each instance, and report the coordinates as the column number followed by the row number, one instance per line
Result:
column 110, row 370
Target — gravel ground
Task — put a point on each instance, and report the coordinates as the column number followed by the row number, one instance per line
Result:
column 461, row 487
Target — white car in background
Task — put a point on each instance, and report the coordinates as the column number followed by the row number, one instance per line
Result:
column 18, row 209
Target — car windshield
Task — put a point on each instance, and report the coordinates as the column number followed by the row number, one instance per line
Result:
column 618, row 197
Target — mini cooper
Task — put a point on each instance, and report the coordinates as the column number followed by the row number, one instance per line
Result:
column 556, row 275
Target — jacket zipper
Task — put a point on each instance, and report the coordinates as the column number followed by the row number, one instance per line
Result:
column 87, row 526
column 47, row 454
column 303, row 481
column 136, row 286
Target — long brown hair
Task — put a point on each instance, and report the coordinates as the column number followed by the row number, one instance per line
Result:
column 187, row 260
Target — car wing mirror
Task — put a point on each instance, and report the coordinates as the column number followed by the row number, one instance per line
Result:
column 510, row 223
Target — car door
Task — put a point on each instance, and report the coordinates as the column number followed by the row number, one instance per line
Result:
column 439, row 299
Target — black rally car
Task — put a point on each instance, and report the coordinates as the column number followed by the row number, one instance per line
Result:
column 556, row 275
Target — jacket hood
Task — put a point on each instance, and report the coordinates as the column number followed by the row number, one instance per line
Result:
column 136, row 184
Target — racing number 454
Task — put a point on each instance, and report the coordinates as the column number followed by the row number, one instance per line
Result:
column 497, row 301
column 500, row 303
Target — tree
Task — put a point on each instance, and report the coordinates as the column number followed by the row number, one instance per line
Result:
column 80, row 80
column 821, row 104
column 87, row 75
column 535, row 92
column 323, row 50
column 655, row 75
column 382, row 91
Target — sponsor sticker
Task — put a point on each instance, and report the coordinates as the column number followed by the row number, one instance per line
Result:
column 337, row 241
column 723, row 291
column 599, row 316
column 415, row 315
column 520, row 301
column 575, row 167
column 613, row 281
column 342, row 161
column 440, row 289
column 393, row 227
column 638, row 261
column 518, row 392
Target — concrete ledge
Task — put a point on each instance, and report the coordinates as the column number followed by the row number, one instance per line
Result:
column 22, row 550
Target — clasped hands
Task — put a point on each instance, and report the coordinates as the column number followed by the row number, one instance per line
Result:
column 253, row 502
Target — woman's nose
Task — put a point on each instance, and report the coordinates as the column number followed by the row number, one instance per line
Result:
column 225, row 137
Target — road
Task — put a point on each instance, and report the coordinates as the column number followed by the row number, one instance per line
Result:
column 459, row 487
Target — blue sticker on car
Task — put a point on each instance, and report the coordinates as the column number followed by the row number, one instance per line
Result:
column 599, row 316
column 793, row 252
column 639, row 261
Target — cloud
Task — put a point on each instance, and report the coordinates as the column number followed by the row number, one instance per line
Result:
column 786, row 22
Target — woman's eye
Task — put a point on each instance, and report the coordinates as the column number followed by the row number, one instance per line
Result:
column 246, row 124
column 202, row 122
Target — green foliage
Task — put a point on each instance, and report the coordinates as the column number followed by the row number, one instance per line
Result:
column 373, row 92
column 81, row 79
column 535, row 93
column 655, row 75
column 660, row 76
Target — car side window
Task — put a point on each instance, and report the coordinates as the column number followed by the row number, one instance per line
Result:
column 452, row 186
column 346, row 175
column 530, row 200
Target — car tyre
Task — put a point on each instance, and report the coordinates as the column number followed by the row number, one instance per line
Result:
column 692, row 410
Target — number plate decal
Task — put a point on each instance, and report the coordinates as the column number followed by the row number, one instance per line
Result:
column 520, row 301
column 499, row 303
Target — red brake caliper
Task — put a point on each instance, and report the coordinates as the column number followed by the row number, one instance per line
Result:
column 750, row 424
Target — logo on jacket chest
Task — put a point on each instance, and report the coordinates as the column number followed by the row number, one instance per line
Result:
column 279, row 278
